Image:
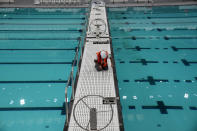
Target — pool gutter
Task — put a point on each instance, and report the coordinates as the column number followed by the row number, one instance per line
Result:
column 152, row 4
column 85, row 5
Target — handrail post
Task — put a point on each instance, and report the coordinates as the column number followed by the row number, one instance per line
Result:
column 66, row 100
column 81, row 48
column 77, row 60
column 72, row 79
column 66, row 105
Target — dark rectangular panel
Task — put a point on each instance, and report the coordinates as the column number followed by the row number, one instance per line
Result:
column 93, row 119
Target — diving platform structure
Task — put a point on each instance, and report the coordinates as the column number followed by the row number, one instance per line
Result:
column 95, row 105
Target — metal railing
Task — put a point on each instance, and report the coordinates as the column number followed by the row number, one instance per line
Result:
column 71, row 81
column 77, row 58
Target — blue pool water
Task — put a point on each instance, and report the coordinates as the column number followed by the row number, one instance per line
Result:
column 155, row 51
column 37, row 48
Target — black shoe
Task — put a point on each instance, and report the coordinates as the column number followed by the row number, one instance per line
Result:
column 95, row 61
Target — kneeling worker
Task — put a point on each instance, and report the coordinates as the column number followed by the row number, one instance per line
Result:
column 101, row 60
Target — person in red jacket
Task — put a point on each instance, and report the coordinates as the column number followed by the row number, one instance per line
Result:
column 101, row 60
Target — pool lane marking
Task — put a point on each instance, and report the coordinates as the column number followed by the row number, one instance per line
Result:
column 61, row 108
column 131, row 107
column 48, row 49
column 10, row 63
column 138, row 48
column 36, row 30
column 173, row 17
column 154, row 23
column 39, row 38
column 40, row 81
column 187, row 63
column 156, row 37
column 10, row 18
column 164, row 110
column 154, row 17
column 193, row 108
column 151, row 80
column 162, row 107
column 150, row 13
column 143, row 61
column 151, row 17
column 177, row 49
column 4, row 23
column 176, row 80
column 152, row 29
column 43, row 13
column 126, row 80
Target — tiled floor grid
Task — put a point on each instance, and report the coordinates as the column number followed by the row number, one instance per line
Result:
column 93, row 86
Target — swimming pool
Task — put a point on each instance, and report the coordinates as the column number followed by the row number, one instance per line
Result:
column 155, row 51
column 37, row 48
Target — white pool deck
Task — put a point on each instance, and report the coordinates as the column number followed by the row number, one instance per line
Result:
column 92, row 82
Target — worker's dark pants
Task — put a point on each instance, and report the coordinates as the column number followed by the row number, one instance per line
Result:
column 99, row 67
column 105, row 68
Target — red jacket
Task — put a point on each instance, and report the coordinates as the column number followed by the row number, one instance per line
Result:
column 100, row 60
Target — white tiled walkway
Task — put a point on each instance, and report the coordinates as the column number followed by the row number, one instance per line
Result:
column 92, row 82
